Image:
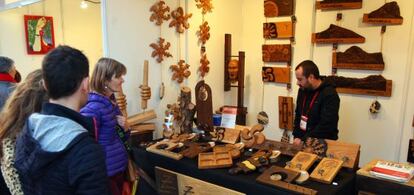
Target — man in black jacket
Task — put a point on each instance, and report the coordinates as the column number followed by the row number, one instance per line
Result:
column 317, row 105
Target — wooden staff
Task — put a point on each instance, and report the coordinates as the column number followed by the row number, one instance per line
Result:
column 145, row 89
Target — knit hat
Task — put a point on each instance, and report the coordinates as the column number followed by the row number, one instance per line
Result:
column 5, row 64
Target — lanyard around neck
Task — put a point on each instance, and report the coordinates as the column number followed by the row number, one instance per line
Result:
column 311, row 103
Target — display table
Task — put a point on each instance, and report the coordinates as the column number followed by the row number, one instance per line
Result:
column 242, row 183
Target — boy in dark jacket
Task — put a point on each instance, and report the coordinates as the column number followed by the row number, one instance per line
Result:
column 54, row 153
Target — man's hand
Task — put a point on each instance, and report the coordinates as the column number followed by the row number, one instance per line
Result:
column 297, row 141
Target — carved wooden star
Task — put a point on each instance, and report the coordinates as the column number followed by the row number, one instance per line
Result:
column 180, row 20
column 204, row 33
column 204, row 68
column 160, row 50
column 205, row 5
column 180, row 71
column 160, row 12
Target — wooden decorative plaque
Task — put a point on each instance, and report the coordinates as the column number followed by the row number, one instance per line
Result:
column 356, row 58
column 277, row 53
column 285, row 148
column 278, row 30
column 193, row 149
column 338, row 4
column 214, row 160
column 389, row 13
column 302, row 161
column 273, row 8
column 286, row 113
column 276, row 74
column 372, row 85
column 336, row 34
column 347, row 152
column 326, row 170
column 204, row 106
column 231, row 136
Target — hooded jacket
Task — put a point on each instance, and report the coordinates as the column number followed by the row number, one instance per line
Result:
column 322, row 117
column 56, row 155
column 7, row 85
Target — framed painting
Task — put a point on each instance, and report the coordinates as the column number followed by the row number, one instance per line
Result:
column 40, row 36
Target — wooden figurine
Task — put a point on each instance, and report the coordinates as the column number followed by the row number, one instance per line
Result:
column 347, row 152
column 180, row 20
column 276, row 74
column 336, row 34
column 286, row 113
column 203, row 33
column 302, row 161
column 273, row 8
column 205, row 5
column 389, row 13
column 180, row 71
column 277, row 53
column 187, row 110
column 204, row 68
column 160, row 50
column 338, row 4
column 233, row 70
column 356, row 58
column 278, row 30
column 326, row 170
column 375, row 85
column 145, row 89
column 160, row 12
column 204, row 106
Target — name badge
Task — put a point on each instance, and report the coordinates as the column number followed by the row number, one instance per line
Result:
column 303, row 122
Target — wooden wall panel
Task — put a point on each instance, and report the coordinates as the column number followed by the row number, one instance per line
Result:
column 273, row 30
column 273, row 8
column 277, row 53
column 276, row 74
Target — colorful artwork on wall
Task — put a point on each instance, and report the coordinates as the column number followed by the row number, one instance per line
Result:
column 39, row 34
column 273, row 8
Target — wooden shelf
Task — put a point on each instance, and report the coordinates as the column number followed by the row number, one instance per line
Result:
column 381, row 21
column 338, row 6
column 335, row 64
column 386, row 93
column 336, row 40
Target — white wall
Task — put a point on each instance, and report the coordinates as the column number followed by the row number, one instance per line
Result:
column 73, row 26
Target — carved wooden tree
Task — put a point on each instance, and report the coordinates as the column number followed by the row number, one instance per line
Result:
column 180, row 71
column 160, row 50
column 205, row 5
column 204, row 33
column 160, row 12
column 187, row 110
column 180, row 20
column 204, row 68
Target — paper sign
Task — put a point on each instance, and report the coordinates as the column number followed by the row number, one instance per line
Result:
column 228, row 117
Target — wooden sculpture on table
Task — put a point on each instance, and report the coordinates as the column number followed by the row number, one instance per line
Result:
column 187, row 110
column 180, row 20
column 241, row 110
column 356, row 58
column 389, row 13
column 336, row 34
column 145, row 89
column 273, row 8
column 253, row 136
column 160, row 12
column 372, row 85
column 338, row 4
column 160, row 50
column 204, row 106
column 180, row 71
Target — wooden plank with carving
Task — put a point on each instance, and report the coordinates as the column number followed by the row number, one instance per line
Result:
column 386, row 93
column 302, row 161
column 389, row 13
column 285, row 148
column 280, row 30
column 358, row 59
column 347, row 152
column 326, row 170
column 204, row 106
column 286, row 113
column 273, row 8
column 164, row 149
column 375, row 85
column 276, row 74
column 277, row 53
column 337, row 34
column 281, row 178
column 338, row 4
column 214, row 160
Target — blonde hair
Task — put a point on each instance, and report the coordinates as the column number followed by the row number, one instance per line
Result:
column 105, row 68
column 26, row 99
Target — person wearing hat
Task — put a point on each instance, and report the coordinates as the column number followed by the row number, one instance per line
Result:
column 8, row 75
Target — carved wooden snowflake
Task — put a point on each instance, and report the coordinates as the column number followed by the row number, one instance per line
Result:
column 160, row 12
column 160, row 50
column 180, row 71
column 180, row 20
column 205, row 5
column 204, row 68
column 204, row 33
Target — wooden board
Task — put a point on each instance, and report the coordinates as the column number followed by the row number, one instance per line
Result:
column 214, row 160
column 381, row 21
column 278, row 30
column 166, row 151
column 277, row 53
column 276, row 74
column 204, row 106
column 347, row 152
column 302, row 161
column 338, row 6
column 386, row 93
column 326, row 170
column 410, row 153
column 172, row 183
column 341, row 65
column 234, row 151
column 336, row 40
column 141, row 117
column 285, row 148
column 273, row 8
column 231, row 136
column 193, row 149
column 286, row 113
column 265, row 178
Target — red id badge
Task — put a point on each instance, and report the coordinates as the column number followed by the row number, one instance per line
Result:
column 303, row 122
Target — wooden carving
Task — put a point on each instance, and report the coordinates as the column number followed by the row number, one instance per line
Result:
column 180, row 71
column 389, row 13
column 233, row 70
column 282, row 178
column 356, row 58
column 160, row 50
column 187, row 110
column 230, row 136
column 204, row 5
column 326, row 170
column 165, row 149
column 234, row 150
column 276, row 53
column 410, row 155
column 180, row 20
column 192, row 149
column 286, row 113
column 275, row 30
column 204, row 33
column 160, row 12
column 302, row 161
column 204, row 106
column 372, row 85
column 145, row 89
column 347, row 152
column 273, row 8
column 338, row 4
column 336, row 34
column 285, row 148
column 214, row 160
column 276, row 74
column 315, row 146
column 204, row 68
column 253, row 136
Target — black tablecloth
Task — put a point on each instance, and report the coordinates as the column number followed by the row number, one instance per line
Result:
column 243, row 183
